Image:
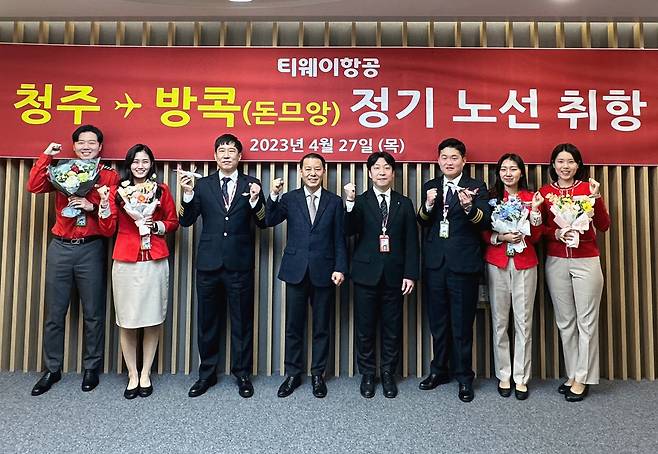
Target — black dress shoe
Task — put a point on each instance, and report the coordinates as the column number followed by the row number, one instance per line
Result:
column 89, row 380
column 45, row 382
column 466, row 393
column 291, row 383
column 201, row 386
column 563, row 388
column 131, row 393
column 368, row 386
column 432, row 381
column 389, row 386
column 521, row 395
column 319, row 386
column 504, row 392
column 145, row 391
column 573, row 397
column 245, row 388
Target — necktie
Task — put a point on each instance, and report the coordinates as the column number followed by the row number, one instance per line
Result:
column 384, row 209
column 450, row 195
column 311, row 207
column 225, row 181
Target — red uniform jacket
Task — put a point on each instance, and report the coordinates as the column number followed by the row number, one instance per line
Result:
column 587, row 246
column 128, row 243
column 496, row 254
column 38, row 183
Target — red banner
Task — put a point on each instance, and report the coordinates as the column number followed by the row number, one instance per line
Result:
column 342, row 102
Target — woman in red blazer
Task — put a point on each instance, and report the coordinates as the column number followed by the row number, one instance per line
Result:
column 512, row 277
column 140, row 272
column 573, row 271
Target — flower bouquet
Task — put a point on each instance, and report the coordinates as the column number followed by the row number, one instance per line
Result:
column 572, row 212
column 140, row 202
column 510, row 216
column 74, row 177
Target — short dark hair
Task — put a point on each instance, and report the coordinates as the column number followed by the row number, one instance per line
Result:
column 227, row 139
column 453, row 143
column 575, row 153
column 312, row 156
column 87, row 128
column 372, row 159
column 498, row 188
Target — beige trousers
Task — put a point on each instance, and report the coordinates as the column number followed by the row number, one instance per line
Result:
column 576, row 286
column 513, row 288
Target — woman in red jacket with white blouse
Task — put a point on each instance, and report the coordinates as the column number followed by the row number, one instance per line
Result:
column 573, row 269
column 512, row 276
column 140, row 272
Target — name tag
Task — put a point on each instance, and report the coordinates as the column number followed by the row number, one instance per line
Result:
column 145, row 242
column 384, row 244
column 81, row 220
column 444, row 229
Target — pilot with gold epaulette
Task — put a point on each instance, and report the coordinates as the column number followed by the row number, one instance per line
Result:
column 231, row 206
column 453, row 213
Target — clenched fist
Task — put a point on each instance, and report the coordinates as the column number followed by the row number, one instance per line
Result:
column 350, row 192
column 254, row 190
column 431, row 196
column 277, row 186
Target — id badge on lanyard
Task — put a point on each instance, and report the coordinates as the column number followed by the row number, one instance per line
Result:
column 384, row 240
column 444, row 225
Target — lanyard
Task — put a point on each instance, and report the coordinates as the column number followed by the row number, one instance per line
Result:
column 227, row 203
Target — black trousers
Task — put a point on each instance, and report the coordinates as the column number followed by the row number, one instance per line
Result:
column 216, row 289
column 81, row 266
column 373, row 305
column 451, row 301
column 321, row 299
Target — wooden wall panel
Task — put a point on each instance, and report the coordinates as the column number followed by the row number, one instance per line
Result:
column 629, row 319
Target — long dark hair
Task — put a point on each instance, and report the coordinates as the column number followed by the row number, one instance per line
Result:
column 575, row 153
column 127, row 175
column 498, row 189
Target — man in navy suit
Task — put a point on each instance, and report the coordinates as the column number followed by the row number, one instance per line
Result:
column 314, row 263
column 231, row 205
column 453, row 213
column 384, row 268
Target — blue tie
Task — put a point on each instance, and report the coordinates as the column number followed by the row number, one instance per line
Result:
column 225, row 181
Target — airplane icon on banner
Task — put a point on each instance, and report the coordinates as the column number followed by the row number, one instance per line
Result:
column 129, row 105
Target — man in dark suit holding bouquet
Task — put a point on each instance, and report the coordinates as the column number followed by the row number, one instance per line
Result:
column 314, row 263
column 231, row 205
column 453, row 213
column 76, row 257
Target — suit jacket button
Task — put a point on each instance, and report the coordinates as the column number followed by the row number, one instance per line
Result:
column 226, row 218
column 225, row 234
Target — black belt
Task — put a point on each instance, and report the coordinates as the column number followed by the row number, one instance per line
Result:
column 83, row 240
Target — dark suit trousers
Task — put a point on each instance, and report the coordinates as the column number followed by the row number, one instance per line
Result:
column 374, row 303
column 215, row 289
column 82, row 266
column 451, row 301
column 297, row 297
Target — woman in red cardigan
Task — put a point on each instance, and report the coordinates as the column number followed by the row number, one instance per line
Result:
column 140, row 272
column 512, row 273
column 573, row 269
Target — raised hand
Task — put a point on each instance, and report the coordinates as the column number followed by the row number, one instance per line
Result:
column 431, row 196
column 537, row 200
column 594, row 187
column 277, row 186
column 350, row 192
column 104, row 193
column 254, row 190
column 53, row 149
